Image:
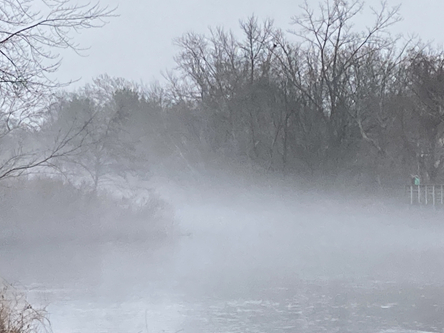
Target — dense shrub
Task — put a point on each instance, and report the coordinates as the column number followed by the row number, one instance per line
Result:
column 41, row 209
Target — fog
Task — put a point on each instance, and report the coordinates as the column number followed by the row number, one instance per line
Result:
column 259, row 187
column 249, row 258
column 263, row 238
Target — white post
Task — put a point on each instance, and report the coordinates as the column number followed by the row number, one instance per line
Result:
column 426, row 190
column 441, row 196
column 419, row 195
column 433, row 195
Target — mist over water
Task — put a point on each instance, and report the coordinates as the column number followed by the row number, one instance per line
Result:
column 247, row 192
column 249, row 259
column 266, row 237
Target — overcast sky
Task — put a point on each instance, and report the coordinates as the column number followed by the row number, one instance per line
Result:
column 138, row 45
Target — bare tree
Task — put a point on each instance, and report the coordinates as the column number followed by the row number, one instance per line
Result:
column 426, row 127
column 31, row 32
column 330, row 50
column 231, row 82
column 101, row 111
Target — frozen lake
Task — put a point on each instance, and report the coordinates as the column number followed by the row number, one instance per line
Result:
column 246, row 264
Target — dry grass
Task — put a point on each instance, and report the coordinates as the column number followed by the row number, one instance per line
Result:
column 17, row 315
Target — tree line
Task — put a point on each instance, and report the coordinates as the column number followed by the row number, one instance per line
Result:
column 336, row 103
column 325, row 101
